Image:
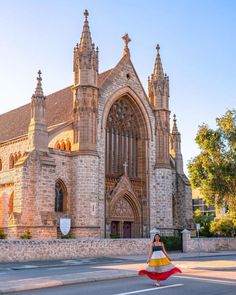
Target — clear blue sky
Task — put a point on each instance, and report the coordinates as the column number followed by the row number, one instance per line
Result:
column 197, row 39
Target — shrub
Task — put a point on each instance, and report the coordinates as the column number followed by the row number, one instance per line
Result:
column 2, row 234
column 26, row 235
column 172, row 243
column 114, row 236
column 225, row 226
column 205, row 223
column 68, row 236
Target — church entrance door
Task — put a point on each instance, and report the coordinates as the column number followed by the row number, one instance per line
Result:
column 127, row 230
column 115, row 229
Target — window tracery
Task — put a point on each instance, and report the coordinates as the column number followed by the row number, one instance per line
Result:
column 122, row 135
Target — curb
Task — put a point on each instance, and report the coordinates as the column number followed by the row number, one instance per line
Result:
column 49, row 282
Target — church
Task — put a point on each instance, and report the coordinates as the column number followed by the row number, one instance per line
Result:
column 100, row 152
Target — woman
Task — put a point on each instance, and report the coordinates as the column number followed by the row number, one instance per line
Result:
column 159, row 265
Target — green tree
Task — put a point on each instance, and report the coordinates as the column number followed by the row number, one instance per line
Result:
column 213, row 171
column 225, row 226
column 205, row 223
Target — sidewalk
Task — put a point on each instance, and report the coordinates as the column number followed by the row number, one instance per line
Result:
column 126, row 267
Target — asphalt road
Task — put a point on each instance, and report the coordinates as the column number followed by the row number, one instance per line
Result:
column 201, row 275
column 175, row 285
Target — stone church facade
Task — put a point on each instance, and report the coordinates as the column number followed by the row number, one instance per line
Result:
column 100, row 152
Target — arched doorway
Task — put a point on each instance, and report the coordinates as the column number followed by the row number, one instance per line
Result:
column 125, row 216
column 126, row 154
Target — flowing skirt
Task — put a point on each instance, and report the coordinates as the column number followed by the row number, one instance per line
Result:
column 159, row 267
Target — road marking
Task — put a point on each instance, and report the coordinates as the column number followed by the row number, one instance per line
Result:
column 150, row 289
column 56, row 268
column 203, row 279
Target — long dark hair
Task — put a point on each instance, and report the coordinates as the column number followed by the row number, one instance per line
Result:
column 154, row 239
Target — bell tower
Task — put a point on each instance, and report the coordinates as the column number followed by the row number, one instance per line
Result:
column 158, row 91
column 85, row 91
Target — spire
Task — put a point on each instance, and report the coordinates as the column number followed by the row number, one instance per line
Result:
column 85, row 40
column 158, row 73
column 127, row 39
column 37, row 131
column 39, row 90
column 85, row 65
column 175, row 128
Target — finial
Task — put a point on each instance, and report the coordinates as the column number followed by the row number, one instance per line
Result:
column 127, row 39
column 86, row 14
column 175, row 128
column 158, row 48
column 39, row 90
column 39, row 77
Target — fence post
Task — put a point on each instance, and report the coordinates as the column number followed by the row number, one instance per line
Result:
column 186, row 236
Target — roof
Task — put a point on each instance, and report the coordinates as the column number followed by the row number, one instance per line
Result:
column 58, row 110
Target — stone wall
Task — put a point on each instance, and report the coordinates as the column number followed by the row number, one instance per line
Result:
column 207, row 244
column 26, row 250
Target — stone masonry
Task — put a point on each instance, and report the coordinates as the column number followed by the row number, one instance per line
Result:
column 69, row 155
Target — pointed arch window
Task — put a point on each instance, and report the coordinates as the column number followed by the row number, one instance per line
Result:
column 122, row 135
column 60, row 196
column 0, row 164
column 11, row 204
column 11, row 162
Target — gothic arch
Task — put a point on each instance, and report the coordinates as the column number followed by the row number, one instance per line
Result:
column 11, row 205
column 61, row 196
column 131, row 94
column 125, row 209
column 131, row 199
column 11, row 161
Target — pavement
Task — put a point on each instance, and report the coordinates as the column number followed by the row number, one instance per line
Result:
column 107, row 268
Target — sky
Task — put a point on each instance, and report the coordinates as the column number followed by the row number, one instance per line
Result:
column 197, row 40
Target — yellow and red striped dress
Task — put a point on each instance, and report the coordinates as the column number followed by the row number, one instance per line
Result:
column 159, row 267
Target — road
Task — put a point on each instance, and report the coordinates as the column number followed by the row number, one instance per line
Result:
column 201, row 275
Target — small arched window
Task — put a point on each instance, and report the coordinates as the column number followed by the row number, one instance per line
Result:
column 0, row 164
column 60, row 196
column 68, row 146
column 11, row 204
column 11, row 162
column 63, row 146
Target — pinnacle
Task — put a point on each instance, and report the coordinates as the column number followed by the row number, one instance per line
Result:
column 85, row 40
column 39, row 90
column 175, row 128
column 158, row 73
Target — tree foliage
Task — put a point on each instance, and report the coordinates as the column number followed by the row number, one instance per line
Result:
column 205, row 223
column 225, row 226
column 213, row 171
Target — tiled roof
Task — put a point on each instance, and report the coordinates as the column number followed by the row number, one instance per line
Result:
column 58, row 110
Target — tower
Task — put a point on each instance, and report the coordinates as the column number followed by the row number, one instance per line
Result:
column 158, row 91
column 85, row 91
column 37, row 131
column 161, row 213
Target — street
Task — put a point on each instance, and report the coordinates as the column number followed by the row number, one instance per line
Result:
column 205, row 275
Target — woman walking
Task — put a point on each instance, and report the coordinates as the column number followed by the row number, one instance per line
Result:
column 159, row 265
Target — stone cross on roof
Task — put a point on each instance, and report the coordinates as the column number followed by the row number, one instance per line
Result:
column 127, row 39
column 125, row 167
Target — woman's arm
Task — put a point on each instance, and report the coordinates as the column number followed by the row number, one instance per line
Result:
column 150, row 252
column 164, row 250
